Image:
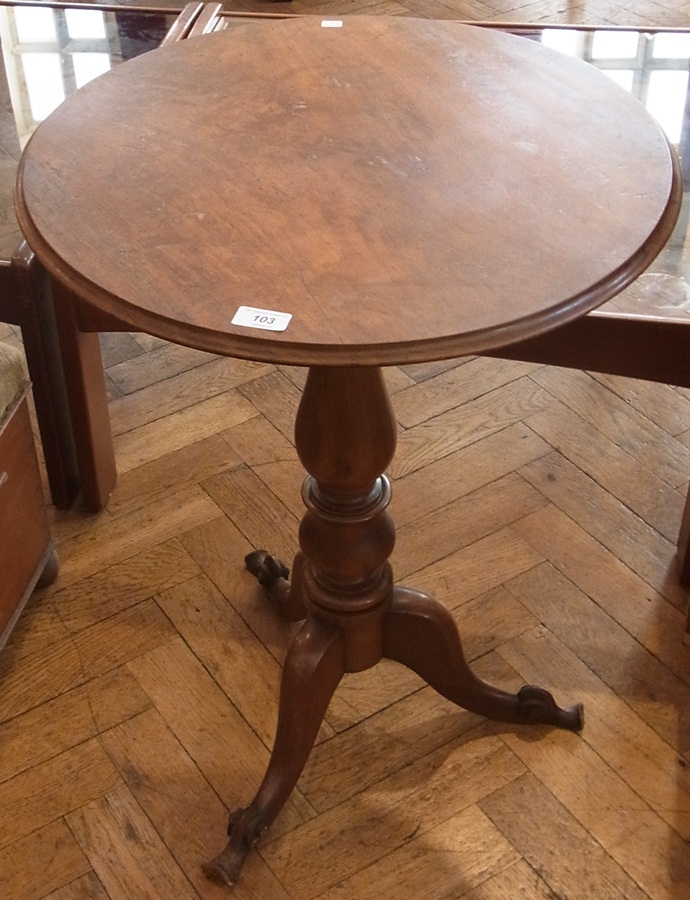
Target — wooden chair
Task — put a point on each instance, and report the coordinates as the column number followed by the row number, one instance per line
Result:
column 27, row 550
column 26, row 301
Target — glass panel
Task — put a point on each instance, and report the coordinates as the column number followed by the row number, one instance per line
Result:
column 615, row 44
column 34, row 25
column 43, row 76
column 83, row 24
column 671, row 46
column 566, row 41
column 623, row 77
column 666, row 101
column 88, row 66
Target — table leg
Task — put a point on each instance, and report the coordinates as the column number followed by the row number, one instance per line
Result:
column 313, row 667
column 420, row 633
column 342, row 584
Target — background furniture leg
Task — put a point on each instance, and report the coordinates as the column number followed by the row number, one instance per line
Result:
column 83, row 365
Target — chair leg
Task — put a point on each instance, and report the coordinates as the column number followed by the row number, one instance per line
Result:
column 684, row 557
column 50, row 571
column 684, row 545
column 36, row 317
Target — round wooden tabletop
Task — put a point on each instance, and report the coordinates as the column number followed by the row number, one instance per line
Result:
column 385, row 190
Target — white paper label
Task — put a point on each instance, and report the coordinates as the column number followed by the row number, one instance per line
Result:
column 267, row 319
column 331, row 23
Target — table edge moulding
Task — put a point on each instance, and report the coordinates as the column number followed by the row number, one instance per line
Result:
column 387, row 286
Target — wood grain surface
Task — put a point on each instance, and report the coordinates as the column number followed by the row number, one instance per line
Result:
column 405, row 189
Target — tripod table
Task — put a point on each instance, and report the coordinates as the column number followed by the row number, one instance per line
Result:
column 345, row 195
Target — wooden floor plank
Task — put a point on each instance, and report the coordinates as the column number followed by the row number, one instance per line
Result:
column 162, row 398
column 172, row 472
column 455, row 387
column 612, row 812
column 618, row 736
column 43, row 861
column 611, row 466
column 659, row 697
column 462, row 426
column 445, row 863
column 570, row 861
column 644, row 613
column 45, row 731
column 163, row 361
column 31, row 680
column 115, row 697
column 223, row 746
column 419, row 372
column 257, row 442
column 613, row 417
column 88, row 887
column 228, row 648
column 125, row 850
column 220, row 548
column 463, row 522
column 115, row 539
column 277, row 399
column 193, row 423
column 661, row 403
column 464, row 471
column 477, row 569
column 38, row 630
column 610, row 521
column 380, row 745
column 384, row 818
column 54, row 788
column 518, row 880
column 122, row 637
column 363, row 694
column 284, row 479
column 123, row 585
column 255, row 510
column 190, row 820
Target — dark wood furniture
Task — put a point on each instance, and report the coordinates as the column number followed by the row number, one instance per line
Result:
column 27, row 549
column 69, row 443
column 407, row 204
column 25, row 301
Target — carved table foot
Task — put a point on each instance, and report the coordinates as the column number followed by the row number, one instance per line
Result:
column 245, row 831
column 272, row 574
column 421, row 633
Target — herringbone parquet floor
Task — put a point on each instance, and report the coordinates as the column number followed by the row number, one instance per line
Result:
column 138, row 695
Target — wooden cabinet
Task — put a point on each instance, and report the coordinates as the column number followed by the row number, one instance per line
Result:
column 27, row 551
